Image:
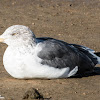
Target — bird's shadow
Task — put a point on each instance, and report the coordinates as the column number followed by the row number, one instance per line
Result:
column 95, row 72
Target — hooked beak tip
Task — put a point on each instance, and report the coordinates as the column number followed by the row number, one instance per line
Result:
column 1, row 39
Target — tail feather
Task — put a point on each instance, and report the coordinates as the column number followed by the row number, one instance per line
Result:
column 98, row 56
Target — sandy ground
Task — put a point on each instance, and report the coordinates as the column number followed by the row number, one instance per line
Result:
column 74, row 21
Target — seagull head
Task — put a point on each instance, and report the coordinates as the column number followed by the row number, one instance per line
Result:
column 17, row 35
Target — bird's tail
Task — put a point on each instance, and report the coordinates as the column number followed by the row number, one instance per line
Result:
column 98, row 56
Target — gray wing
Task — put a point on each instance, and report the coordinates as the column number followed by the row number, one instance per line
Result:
column 59, row 54
column 87, row 51
column 80, row 47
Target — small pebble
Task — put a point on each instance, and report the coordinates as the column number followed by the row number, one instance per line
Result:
column 84, row 93
column 33, row 23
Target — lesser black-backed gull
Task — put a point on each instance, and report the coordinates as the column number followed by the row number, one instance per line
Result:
column 29, row 57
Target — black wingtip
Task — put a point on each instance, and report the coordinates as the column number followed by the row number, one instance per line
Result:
column 97, row 53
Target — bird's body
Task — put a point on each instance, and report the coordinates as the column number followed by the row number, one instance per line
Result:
column 23, row 62
column 30, row 57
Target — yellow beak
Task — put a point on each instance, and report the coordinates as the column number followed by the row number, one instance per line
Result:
column 1, row 40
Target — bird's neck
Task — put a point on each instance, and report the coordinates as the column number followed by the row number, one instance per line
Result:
column 29, row 47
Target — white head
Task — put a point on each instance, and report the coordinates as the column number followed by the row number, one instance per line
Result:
column 17, row 35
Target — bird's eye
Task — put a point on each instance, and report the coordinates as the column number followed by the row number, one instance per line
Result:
column 14, row 34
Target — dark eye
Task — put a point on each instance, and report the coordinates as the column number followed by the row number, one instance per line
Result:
column 14, row 34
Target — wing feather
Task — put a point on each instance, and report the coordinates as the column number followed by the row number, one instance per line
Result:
column 59, row 54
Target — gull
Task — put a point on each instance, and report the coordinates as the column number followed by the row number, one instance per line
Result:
column 29, row 57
